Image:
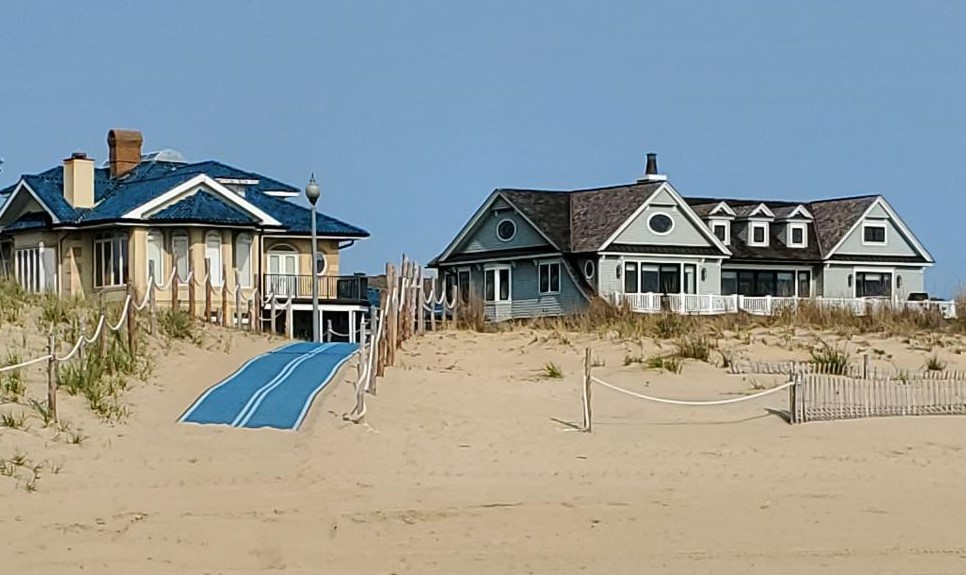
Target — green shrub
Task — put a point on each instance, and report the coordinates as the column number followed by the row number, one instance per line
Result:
column 552, row 370
column 666, row 362
column 698, row 348
column 177, row 324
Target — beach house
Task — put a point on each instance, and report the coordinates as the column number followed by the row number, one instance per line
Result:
column 534, row 253
column 80, row 230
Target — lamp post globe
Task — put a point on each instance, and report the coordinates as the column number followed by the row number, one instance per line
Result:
column 312, row 193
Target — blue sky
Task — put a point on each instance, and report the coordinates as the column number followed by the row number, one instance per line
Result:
column 410, row 113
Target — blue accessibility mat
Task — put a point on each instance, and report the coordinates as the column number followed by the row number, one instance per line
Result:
column 274, row 389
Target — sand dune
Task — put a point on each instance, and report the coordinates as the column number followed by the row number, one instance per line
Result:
column 468, row 466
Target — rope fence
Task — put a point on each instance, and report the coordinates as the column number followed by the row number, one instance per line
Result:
column 816, row 396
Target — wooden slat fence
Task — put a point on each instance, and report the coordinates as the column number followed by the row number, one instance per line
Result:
column 818, row 397
column 860, row 371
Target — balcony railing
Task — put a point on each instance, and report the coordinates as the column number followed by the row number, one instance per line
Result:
column 352, row 288
column 710, row 304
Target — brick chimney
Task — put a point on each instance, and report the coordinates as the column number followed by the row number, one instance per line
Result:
column 79, row 180
column 125, row 151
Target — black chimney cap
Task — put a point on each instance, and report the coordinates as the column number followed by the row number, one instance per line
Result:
column 651, row 168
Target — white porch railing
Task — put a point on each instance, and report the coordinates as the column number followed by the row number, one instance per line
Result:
column 711, row 304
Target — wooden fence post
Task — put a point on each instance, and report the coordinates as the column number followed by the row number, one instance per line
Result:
column 175, row 288
column 52, row 374
column 251, row 316
column 289, row 320
column 391, row 305
column 587, row 411
column 207, row 291
column 131, row 321
column 224, row 297
column 81, row 352
column 153, row 309
column 865, row 366
column 380, row 344
column 192, row 296
column 456, row 306
column 238, row 313
column 273, row 311
column 104, row 328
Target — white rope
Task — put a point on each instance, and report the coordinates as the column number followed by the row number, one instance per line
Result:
column 120, row 322
column 25, row 363
column 335, row 333
column 97, row 332
column 73, row 351
column 694, row 403
column 167, row 284
column 146, row 300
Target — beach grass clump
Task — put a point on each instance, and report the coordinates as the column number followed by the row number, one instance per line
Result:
column 696, row 347
column 101, row 378
column 830, row 360
column 669, row 363
column 12, row 384
column 11, row 300
column 934, row 363
column 14, row 421
column 177, row 324
column 552, row 371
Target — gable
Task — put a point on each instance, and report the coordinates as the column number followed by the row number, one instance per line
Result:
column 899, row 239
column 876, row 211
column 683, row 232
column 482, row 237
column 897, row 244
column 204, row 207
column 685, row 229
column 192, row 186
column 21, row 202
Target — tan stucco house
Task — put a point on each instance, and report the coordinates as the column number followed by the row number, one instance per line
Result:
column 81, row 230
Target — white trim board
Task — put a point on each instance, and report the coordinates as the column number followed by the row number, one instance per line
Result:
column 682, row 206
column 24, row 185
column 880, row 201
column 631, row 255
column 172, row 196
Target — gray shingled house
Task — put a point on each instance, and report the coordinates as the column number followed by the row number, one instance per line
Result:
column 531, row 253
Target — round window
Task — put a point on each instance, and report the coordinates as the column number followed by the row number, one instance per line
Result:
column 589, row 269
column 319, row 263
column 660, row 223
column 506, row 230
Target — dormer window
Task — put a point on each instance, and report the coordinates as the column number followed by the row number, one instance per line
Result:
column 874, row 234
column 722, row 230
column 758, row 234
column 797, row 236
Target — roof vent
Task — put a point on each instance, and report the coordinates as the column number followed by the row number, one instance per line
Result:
column 650, row 172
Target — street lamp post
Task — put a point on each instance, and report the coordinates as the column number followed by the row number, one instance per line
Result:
column 312, row 193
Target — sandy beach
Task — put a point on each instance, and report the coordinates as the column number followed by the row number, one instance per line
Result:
column 469, row 464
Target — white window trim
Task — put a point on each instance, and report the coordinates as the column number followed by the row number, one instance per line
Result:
column 216, row 278
column 496, row 268
column 175, row 236
column 797, row 226
column 654, row 215
column 642, row 266
column 751, row 233
column 159, row 277
column 325, row 264
column 500, row 224
column 870, row 270
column 551, row 291
column 593, row 269
column 244, row 280
column 109, row 238
column 727, row 227
column 885, row 233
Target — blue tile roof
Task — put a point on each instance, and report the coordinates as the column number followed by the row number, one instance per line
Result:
column 150, row 179
column 204, row 207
